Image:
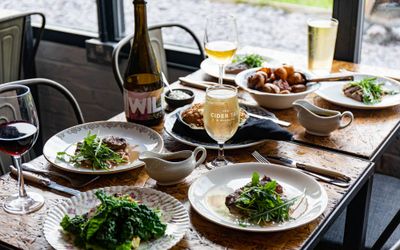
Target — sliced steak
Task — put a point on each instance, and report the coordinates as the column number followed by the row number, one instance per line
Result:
column 235, row 68
column 115, row 143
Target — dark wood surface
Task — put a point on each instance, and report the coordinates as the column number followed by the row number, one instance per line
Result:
column 365, row 137
column 25, row 232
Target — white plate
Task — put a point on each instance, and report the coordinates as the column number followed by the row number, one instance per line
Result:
column 212, row 68
column 171, row 118
column 140, row 136
column 173, row 213
column 207, row 194
column 332, row 92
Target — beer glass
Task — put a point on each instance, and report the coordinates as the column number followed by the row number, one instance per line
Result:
column 221, row 117
column 321, row 44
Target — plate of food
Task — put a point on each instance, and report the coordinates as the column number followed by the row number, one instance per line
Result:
column 192, row 118
column 239, row 63
column 119, row 217
column 258, row 197
column 364, row 92
column 102, row 147
column 276, row 87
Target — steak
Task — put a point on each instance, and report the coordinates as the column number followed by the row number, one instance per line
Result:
column 230, row 200
column 115, row 143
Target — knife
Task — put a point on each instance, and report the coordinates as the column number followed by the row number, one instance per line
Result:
column 45, row 182
column 313, row 169
column 277, row 121
column 196, row 84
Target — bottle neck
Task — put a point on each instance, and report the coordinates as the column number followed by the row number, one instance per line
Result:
column 140, row 18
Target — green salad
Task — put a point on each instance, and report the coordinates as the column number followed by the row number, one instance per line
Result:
column 251, row 60
column 119, row 222
column 262, row 201
column 93, row 152
column 367, row 90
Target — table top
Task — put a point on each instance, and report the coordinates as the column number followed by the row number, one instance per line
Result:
column 366, row 137
column 25, row 231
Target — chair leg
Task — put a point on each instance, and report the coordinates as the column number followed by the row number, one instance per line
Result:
column 387, row 232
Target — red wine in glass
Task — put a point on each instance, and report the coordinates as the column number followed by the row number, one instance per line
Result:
column 17, row 137
column 19, row 128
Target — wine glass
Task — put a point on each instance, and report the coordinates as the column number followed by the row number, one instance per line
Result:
column 221, row 40
column 19, row 127
column 221, row 117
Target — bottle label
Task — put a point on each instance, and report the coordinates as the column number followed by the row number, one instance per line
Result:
column 143, row 105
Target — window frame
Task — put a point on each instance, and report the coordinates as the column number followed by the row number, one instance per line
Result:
column 111, row 27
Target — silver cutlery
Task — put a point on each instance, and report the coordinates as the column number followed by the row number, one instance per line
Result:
column 196, row 84
column 277, row 121
column 309, row 168
column 76, row 183
column 45, row 182
column 335, row 182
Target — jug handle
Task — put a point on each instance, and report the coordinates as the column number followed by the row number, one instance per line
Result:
column 202, row 157
column 344, row 114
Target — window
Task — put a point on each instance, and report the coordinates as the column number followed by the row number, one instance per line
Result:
column 80, row 15
column 381, row 39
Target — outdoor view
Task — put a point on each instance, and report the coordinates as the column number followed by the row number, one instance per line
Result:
column 276, row 24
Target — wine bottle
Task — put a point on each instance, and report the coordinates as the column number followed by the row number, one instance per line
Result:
column 143, row 83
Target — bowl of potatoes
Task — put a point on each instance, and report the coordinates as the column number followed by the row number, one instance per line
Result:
column 278, row 87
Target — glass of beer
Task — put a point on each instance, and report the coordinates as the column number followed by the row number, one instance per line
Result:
column 321, row 44
column 220, row 40
column 221, row 117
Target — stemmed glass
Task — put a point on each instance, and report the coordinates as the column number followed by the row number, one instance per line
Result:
column 221, row 117
column 19, row 129
column 221, row 40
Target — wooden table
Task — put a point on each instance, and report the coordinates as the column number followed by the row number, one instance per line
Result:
column 25, row 231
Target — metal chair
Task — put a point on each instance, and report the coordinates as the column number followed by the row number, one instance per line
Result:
column 18, row 50
column 158, row 47
column 62, row 90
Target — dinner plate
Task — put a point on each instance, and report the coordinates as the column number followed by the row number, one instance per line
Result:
column 207, row 195
column 140, row 137
column 173, row 213
column 212, row 68
column 332, row 92
column 171, row 118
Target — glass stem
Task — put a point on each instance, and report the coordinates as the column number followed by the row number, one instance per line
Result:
column 221, row 155
column 221, row 74
column 21, row 183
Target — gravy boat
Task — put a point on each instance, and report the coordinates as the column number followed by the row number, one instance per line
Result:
column 172, row 168
column 319, row 121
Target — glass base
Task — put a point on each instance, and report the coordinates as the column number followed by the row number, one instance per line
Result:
column 23, row 205
column 218, row 163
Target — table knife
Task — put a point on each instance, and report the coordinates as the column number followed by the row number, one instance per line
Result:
column 45, row 182
column 313, row 169
column 196, row 84
column 277, row 121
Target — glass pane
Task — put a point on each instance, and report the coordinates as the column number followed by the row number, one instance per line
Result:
column 73, row 14
column 278, row 24
column 381, row 40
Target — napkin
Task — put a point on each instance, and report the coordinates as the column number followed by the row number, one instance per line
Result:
column 254, row 129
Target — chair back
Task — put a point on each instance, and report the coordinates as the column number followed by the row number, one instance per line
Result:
column 11, row 37
column 156, row 39
column 14, row 45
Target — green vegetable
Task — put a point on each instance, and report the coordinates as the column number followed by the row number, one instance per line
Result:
column 372, row 91
column 115, row 223
column 251, row 60
column 92, row 150
column 262, row 204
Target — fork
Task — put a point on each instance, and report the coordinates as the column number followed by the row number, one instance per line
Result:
column 262, row 159
column 76, row 183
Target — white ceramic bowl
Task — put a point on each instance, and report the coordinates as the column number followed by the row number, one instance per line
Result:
column 273, row 101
